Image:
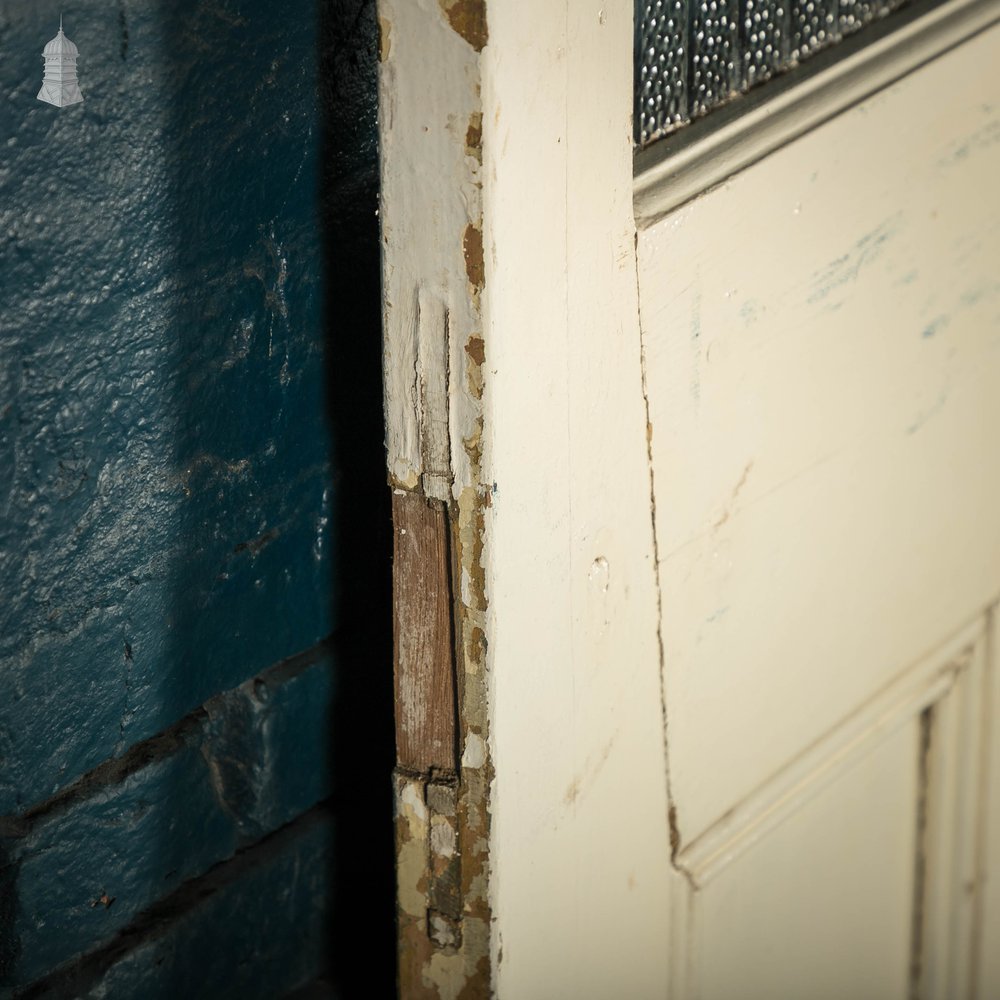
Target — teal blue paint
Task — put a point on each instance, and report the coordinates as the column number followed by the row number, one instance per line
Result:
column 163, row 351
column 750, row 312
column 232, row 773
column 928, row 412
column 189, row 354
column 936, row 325
column 830, row 282
column 254, row 930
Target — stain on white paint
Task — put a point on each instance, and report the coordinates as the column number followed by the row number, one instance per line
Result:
column 843, row 271
column 586, row 778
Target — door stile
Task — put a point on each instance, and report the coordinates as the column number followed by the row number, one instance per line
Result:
column 433, row 363
column 581, row 838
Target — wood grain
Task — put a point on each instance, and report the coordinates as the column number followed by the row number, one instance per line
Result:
column 422, row 635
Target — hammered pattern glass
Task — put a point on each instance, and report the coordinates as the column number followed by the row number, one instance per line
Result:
column 661, row 63
column 693, row 55
column 814, row 25
column 855, row 14
column 714, row 54
column 763, row 39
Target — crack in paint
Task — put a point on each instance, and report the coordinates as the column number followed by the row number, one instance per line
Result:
column 734, row 496
column 673, row 822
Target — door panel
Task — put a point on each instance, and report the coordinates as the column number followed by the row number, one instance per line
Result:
column 776, row 914
column 821, row 352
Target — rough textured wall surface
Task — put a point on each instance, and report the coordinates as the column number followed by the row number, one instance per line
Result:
column 166, row 489
column 192, row 532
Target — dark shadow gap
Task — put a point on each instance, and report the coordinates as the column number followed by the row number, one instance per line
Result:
column 362, row 745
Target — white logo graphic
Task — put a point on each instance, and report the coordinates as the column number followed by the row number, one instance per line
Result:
column 59, row 87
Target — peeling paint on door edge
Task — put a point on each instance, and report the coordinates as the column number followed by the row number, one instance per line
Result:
column 434, row 264
column 442, row 955
column 468, row 18
column 442, row 815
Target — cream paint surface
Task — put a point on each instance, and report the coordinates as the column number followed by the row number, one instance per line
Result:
column 773, row 925
column 580, row 848
column 822, row 336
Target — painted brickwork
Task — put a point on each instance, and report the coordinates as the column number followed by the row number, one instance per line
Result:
column 178, row 452
column 229, row 935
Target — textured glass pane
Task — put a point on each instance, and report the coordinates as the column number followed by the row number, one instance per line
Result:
column 693, row 55
column 714, row 53
column 763, row 39
column 814, row 24
column 855, row 14
column 661, row 64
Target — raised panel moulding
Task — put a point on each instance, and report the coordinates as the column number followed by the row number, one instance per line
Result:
column 921, row 685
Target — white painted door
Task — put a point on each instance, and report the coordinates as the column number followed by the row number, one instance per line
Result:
column 740, row 522
column 821, row 341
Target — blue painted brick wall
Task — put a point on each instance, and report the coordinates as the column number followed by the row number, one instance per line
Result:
column 250, row 931
column 167, row 490
column 191, row 500
column 137, row 828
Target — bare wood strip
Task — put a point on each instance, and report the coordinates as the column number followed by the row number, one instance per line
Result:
column 422, row 635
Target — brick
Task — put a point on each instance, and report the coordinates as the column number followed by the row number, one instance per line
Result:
column 254, row 928
column 243, row 766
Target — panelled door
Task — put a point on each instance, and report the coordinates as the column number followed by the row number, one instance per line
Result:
column 711, row 439
column 821, row 345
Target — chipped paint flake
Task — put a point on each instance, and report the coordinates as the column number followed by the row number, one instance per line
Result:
column 474, row 754
column 468, row 19
column 384, row 38
column 474, row 137
column 412, row 800
column 476, row 350
column 412, row 835
column 444, row 842
column 472, row 246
